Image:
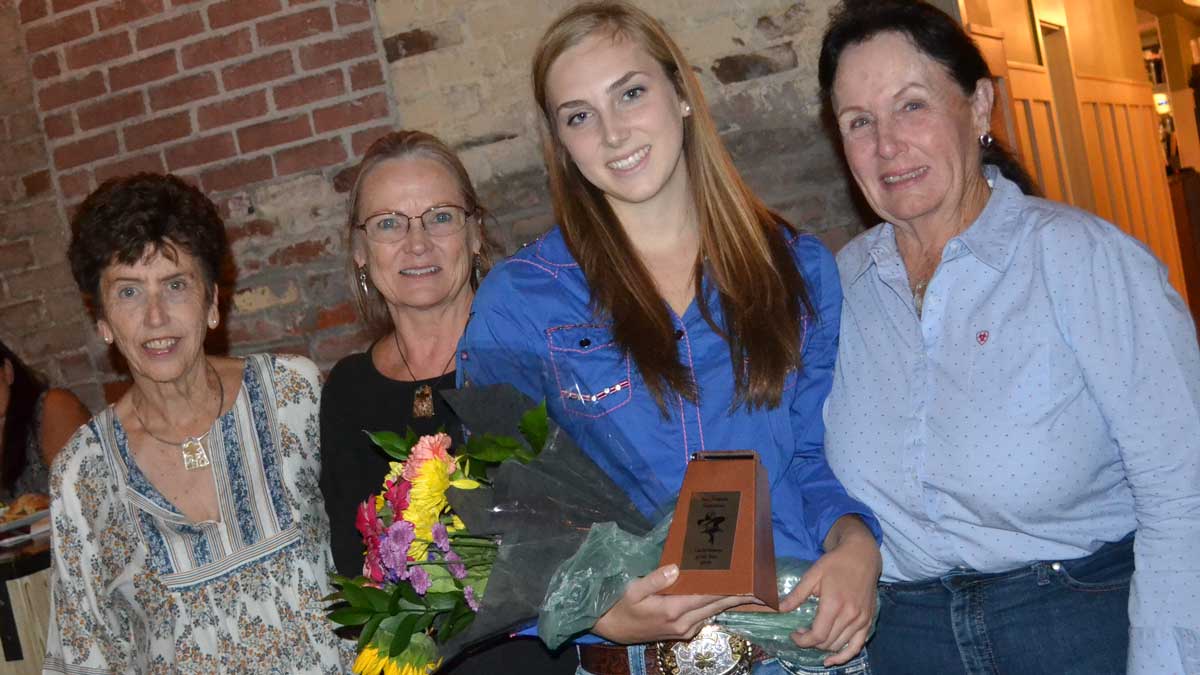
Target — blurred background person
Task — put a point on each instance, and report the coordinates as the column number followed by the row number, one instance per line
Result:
column 36, row 422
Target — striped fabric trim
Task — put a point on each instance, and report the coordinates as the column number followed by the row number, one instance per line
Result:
column 231, row 563
column 54, row 664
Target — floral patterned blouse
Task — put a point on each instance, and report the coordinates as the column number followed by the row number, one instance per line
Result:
column 138, row 588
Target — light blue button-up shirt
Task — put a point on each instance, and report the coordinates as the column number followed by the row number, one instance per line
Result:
column 1046, row 401
column 533, row 326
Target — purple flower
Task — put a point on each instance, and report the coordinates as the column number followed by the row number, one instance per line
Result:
column 393, row 549
column 441, row 537
column 457, row 569
column 419, row 578
column 469, row 596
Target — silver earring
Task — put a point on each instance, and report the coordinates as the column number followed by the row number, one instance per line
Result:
column 477, row 265
column 986, row 140
column 212, row 323
column 362, row 280
column 687, row 108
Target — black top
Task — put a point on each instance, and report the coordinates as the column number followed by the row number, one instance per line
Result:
column 356, row 398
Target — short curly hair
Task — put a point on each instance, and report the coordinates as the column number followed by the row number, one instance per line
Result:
column 128, row 218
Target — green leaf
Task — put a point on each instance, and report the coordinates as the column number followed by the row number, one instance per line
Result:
column 535, row 427
column 350, row 616
column 377, row 599
column 403, row 635
column 444, row 601
column 356, row 596
column 492, row 449
column 368, row 631
column 392, row 443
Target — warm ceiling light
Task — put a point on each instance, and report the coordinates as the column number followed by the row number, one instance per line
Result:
column 1193, row 3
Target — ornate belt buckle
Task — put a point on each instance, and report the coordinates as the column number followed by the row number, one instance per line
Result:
column 712, row 652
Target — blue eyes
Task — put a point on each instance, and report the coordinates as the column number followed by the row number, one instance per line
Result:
column 127, row 292
column 630, row 95
column 633, row 93
column 386, row 224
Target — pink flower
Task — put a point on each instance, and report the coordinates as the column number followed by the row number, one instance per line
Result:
column 469, row 596
column 427, row 448
column 454, row 563
column 441, row 537
column 396, row 496
column 393, row 549
column 367, row 521
column 372, row 565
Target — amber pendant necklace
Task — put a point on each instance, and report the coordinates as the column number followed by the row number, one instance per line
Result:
column 195, row 455
column 422, row 405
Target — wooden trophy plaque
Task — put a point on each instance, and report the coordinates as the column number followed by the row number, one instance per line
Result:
column 721, row 536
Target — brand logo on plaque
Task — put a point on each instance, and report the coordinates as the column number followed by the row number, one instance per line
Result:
column 712, row 521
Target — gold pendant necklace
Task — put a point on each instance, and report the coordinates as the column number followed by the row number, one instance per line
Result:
column 195, row 455
column 422, row 405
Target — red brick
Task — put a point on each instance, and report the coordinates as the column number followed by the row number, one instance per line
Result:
column 366, row 74
column 237, row 174
column 273, row 132
column 157, row 130
column 124, row 11
column 183, row 90
column 309, row 89
column 361, row 140
column 15, row 256
column 294, row 27
column 45, row 65
column 67, row 29
column 230, row 12
column 59, row 126
column 64, row 93
column 200, row 151
column 102, row 49
column 23, row 125
column 71, row 155
column 353, row 46
column 31, row 10
column 170, row 30
column 111, row 110
column 236, row 110
column 61, row 6
column 338, row 315
column 350, row 113
column 262, row 69
column 75, row 184
column 36, row 183
column 299, row 254
column 150, row 161
column 335, row 347
column 215, row 49
column 316, row 155
column 254, row 229
column 350, row 12
column 22, row 315
column 149, row 69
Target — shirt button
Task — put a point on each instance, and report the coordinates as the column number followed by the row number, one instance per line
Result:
column 1057, row 567
column 679, row 334
column 462, row 356
column 585, row 343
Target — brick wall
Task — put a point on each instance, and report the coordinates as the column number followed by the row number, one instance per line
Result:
column 266, row 104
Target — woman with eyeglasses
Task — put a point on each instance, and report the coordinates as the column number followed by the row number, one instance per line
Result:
column 417, row 251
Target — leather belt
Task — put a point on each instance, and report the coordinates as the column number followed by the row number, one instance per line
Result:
column 659, row 659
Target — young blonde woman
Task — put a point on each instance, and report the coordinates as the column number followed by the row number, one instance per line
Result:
column 629, row 317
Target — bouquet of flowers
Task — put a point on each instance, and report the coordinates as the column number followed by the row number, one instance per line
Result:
column 424, row 572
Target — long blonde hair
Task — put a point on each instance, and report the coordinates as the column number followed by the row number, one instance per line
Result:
column 743, row 247
column 404, row 144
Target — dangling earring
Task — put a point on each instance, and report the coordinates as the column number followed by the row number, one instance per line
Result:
column 362, row 280
column 477, row 265
column 687, row 108
column 986, row 140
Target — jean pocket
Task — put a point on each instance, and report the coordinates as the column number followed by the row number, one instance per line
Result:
column 1105, row 570
column 593, row 374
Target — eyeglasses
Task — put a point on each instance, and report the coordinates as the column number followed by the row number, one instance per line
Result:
column 390, row 227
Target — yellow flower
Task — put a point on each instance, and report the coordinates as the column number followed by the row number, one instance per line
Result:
column 426, row 504
column 369, row 661
column 394, row 471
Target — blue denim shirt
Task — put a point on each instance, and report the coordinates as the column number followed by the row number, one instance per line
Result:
column 1046, row 401
column 533, row 327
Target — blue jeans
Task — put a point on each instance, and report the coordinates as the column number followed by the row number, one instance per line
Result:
column 856, row 666
column 1057, row 618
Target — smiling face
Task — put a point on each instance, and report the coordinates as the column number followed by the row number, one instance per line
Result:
column 619, row 117
column 910, row 133
column 157, row 313
column 420, row 271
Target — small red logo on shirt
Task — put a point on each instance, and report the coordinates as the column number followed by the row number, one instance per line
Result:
column 981, row 337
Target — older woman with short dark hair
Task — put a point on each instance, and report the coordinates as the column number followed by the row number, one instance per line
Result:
column 1017, row 393
column 188, row 529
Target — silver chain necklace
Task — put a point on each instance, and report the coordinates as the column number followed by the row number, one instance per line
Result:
column 195, row 455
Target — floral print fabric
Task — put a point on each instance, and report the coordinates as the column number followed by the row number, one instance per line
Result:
column 138, row 588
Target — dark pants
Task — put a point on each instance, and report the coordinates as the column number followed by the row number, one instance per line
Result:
column 519, row 656
column 1058, row 618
